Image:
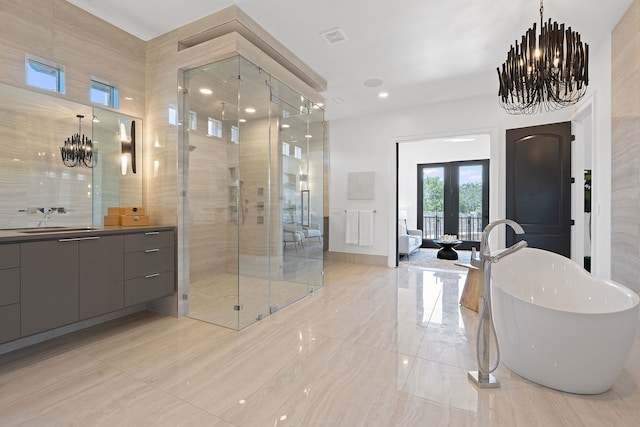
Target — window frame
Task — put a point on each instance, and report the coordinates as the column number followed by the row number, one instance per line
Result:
column 53, row 66
column 214, row 127
column 112, row 91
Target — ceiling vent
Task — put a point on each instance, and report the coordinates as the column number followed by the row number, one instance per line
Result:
column 334, row 36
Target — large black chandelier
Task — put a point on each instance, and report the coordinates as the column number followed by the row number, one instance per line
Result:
column 77, row 150
column 544, row 73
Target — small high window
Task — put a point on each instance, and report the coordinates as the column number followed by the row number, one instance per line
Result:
column 193, row 120
column 173, row 115
column 45, row 74
column 235, row 134
column 214, row 128
column 103, row 93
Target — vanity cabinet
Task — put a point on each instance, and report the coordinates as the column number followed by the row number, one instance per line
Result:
column 70, row 279
column 9, row 292
column 49, row 285
column 51, row 281
column 149, row 266
column 100, row 276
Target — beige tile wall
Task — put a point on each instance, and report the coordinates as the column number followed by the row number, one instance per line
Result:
column 35, row 123
column 85, row 45
column 625, row 151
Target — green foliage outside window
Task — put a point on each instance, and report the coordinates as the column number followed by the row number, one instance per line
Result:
column 433, row 196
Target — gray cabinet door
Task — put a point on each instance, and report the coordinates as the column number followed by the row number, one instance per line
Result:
column 101, row 275
column 9, row 322
column 49, row 285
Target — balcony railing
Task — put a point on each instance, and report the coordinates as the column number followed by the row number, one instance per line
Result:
column 469, row 226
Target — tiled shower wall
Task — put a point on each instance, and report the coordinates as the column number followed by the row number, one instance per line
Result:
column 216, row 230
column 625, row 149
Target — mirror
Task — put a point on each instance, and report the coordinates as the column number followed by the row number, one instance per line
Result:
column 119, row 144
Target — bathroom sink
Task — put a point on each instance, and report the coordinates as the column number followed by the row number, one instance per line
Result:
column 52, row 229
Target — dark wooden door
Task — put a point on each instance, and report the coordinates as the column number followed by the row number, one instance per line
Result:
column 539, row 186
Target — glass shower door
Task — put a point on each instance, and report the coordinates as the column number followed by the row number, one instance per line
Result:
column 300, row 136
column 213, row 184
column 254, row 196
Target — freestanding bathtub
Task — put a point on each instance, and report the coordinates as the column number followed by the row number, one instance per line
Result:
column 557, row 325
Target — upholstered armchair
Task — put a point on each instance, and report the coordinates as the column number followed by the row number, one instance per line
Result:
column 292, row 233
column 313, row 230
column 409, row 241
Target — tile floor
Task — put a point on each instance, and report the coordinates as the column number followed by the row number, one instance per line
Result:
column 374, row 347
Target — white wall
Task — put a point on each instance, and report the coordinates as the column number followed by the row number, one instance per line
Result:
column 369, row 143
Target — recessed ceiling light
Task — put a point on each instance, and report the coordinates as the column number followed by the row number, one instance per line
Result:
column 334, row 36
column 250, row 110
column 373, row 83
column 383, row 95
column 128, row 98
column 242, row 120
column 308, row 136
column 206, row 91
column 285, row 126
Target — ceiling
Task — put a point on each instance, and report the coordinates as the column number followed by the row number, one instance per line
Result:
column 423, row 51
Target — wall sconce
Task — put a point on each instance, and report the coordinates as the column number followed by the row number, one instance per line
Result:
column 128, row 148
column 78, row 150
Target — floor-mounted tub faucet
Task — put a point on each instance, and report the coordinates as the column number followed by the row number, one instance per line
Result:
column 482, row 377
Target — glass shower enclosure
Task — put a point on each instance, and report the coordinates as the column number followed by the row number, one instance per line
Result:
column 253, row 176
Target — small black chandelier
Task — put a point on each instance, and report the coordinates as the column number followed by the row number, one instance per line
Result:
column 78, row 150
column 548, row 75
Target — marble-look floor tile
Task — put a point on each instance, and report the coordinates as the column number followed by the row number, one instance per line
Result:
column 74, row 389
column 325, row 389
column 374, row 347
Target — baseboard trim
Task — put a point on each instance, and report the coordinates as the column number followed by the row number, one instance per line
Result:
column 356, row 258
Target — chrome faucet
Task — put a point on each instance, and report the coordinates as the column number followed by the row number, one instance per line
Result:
column 47, row 212
column 482, row 377
column 485, row 251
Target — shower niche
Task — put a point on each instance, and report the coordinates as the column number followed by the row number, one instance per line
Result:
column 244, row 190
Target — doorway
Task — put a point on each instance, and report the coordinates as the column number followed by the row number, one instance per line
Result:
column 453, row 199
column 438, row 150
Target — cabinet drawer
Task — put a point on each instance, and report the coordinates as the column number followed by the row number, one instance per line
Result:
column 148, row 240
column 9, row 256
column 139, row 264
column 147, row 288
column 9, row 286
column 9, row 322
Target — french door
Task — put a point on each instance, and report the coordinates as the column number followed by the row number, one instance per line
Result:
column 453, row 198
